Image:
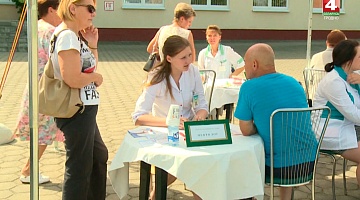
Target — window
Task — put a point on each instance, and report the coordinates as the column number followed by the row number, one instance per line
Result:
column 317, row 6
column 210, row 4
column 270, row 5
column 143, row 4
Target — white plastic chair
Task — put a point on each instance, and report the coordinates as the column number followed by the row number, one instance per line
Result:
column 312, row 77
column 299, row 132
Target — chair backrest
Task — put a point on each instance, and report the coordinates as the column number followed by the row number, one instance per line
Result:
column 208, row 77
column 312, row 77
column 295, row 138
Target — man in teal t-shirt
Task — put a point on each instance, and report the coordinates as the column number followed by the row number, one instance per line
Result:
column 265, row 92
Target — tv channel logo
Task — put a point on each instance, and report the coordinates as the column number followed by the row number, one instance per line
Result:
column 331, row 7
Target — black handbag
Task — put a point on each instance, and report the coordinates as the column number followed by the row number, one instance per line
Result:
column 154, row 56
column 150, row 62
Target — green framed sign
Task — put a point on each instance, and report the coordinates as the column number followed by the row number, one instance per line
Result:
column 208, row 132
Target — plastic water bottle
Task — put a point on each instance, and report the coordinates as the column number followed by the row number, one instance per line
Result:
column 173, row 122
column 173, row 135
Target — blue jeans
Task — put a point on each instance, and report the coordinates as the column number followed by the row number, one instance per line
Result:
column 86, row 157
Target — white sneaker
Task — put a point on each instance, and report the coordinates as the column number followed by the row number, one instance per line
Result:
column 42, row 179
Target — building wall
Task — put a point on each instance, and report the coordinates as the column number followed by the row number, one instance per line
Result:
column 238, row 22
column 8, row 12
column 240, row 16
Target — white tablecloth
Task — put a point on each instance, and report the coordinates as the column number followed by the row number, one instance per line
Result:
column 224, row 93
column 231, row 171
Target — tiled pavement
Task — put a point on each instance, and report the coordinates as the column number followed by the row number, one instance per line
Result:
column 121, row 66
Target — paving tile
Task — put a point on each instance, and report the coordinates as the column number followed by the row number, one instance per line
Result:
column 18, row 196
column 7, row 185
column 7, row 181
column 5, row 194
column 21, row 188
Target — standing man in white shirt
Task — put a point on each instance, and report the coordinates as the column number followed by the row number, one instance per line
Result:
column 319, row 60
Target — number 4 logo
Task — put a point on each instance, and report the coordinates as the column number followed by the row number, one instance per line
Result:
column 331, row 6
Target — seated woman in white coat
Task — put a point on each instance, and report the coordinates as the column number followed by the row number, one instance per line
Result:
column 174, row 81
column 342, row 97
column 222, row 59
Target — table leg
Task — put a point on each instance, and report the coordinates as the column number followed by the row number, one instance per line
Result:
column 144, row 180
column 216, row 114
column 160, row 184
column 229, row 111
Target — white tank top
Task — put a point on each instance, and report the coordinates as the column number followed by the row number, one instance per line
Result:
column 167, row 31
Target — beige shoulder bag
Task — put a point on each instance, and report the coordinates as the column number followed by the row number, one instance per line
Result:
column 56, row 98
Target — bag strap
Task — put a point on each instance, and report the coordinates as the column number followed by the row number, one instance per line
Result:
column 53, row 41
column 156, row 41
column 49, row 68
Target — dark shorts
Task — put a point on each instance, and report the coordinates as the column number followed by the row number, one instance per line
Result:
column 341, row 151
column 287, row 172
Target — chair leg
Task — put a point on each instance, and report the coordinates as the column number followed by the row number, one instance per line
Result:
column 292, row 193
column 217, row 114
column 344, row 176
column 229, row 111
column 313, row 188
column 333, row 177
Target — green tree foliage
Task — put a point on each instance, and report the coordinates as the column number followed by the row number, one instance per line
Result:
column 19, row 4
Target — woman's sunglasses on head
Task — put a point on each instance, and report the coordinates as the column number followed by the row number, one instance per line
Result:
column 89, row 7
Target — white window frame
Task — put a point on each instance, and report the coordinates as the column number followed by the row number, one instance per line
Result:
column 143, row 5
column 6, row 2
column 270, row 8
column 319, row 10
column 208, row 6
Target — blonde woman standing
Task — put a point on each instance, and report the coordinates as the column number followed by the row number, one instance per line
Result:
column 75, row 62
column 184, row 15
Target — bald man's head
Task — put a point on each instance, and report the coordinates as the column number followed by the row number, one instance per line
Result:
column 263, row 53
column 259, row 60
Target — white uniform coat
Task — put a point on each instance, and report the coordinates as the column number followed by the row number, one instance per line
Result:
column 156, row 100
column 340, row 134
column 222, row 62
